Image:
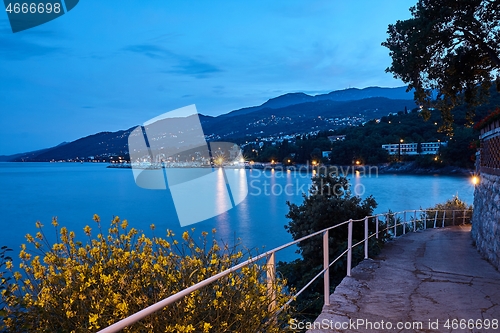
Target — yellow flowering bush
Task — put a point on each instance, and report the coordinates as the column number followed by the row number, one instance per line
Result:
column 5, row 265
column 73, row 286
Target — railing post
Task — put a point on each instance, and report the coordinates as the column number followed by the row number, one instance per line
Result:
column 435, row 218
column 395, row 225
column 415, row 221
column 326, row 265
column 376, row 227
column 349, row 247
column 404, row 222
column 444, row 216
column 366, row 237
column 271, row 278
column 453, row 217
column 425, row 220
column 387, row 225
column 465, row 211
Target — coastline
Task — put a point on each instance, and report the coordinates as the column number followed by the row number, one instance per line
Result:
column 413, row 169
column 409, row 168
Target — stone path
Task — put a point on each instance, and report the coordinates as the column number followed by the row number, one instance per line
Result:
column 429, row 281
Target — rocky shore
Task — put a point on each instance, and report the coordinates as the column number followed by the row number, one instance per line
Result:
column 413, row 168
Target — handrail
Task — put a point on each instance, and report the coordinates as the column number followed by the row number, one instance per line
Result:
column 271, row 261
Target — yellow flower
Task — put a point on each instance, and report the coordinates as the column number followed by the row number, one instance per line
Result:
column 87, row 230
column 185, row 236
column 206, row 327
column 93, row 320
column 123, row 307
column 8, row 264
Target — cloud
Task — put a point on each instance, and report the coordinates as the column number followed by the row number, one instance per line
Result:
column 193, row 67
column 20, row 47
column 151, row 51
column 184, row 65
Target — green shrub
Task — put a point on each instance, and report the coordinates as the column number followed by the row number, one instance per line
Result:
column 454, row 211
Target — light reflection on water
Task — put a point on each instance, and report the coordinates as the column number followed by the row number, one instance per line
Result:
column 74, row 192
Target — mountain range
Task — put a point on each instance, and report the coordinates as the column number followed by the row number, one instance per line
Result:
column 288, row 114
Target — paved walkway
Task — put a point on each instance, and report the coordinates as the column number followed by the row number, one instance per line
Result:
column 423, row 280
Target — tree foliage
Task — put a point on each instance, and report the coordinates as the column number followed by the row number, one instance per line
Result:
column 329, row 202
column 451, row 47
column 70, row 286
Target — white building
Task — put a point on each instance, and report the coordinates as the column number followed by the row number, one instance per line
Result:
column 427, row 148
column 334, row 138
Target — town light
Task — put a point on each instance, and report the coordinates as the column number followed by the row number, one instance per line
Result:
column 358, row 162
column 313, row 162
column 475, row 180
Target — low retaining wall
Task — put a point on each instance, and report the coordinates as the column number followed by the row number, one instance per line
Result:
column 486, row 216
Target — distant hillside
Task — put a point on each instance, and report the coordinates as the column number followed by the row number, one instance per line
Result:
column 350, row 94
column 100, row 144
column 287, row 114
column 302, row 118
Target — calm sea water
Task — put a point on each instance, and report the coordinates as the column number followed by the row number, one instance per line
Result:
column 73, row 193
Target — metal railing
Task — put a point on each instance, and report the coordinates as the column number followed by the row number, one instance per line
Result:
column 395, row 223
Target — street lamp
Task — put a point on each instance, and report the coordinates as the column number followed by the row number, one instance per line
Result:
column 399, row 149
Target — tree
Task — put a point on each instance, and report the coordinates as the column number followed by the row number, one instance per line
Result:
column 459, row 151
column 419, row 148
column 330, row 202
column 451, row 47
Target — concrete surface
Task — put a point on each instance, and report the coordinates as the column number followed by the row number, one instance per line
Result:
column 423, row 280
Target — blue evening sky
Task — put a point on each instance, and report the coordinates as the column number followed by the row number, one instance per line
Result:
column 113, row 64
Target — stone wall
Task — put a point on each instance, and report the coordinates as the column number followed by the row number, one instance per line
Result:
column 486, row 216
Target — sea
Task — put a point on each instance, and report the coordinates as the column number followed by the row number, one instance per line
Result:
column 74, row 192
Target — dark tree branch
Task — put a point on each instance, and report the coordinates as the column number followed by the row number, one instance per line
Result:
column 451, row 46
